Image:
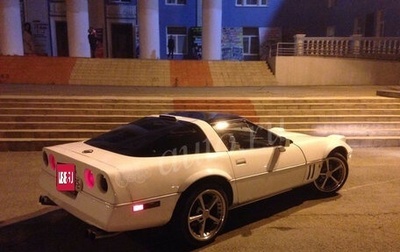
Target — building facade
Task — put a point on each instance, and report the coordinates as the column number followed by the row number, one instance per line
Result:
column 235, row 29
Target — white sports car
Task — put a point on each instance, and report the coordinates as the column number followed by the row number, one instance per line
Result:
column 186, row 168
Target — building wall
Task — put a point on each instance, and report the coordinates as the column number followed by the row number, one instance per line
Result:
column 344, row 12
column 37, row 15
column 237, row 16
column 290, row 17
column 175, row 16
column 299, row 70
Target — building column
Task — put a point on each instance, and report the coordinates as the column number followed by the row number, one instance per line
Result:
column 11, row 42
column 78, row 25
column 299, row 42
column 149, row 29
column 356, row 44
column 212, row 29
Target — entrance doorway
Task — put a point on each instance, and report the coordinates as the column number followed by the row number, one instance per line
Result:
column 62, row 38
column 122, row 40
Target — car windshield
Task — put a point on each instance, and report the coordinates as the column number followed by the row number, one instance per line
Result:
column 154, row 136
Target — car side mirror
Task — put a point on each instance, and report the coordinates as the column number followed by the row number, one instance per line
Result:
column 284, row 142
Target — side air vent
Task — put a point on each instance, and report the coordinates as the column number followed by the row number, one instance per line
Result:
column 313, row 170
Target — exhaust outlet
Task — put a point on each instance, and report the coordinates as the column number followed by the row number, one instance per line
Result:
column 94, row 233
column 46, row 201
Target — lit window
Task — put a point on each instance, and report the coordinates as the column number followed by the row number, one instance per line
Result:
column 175, row 2
column 252, row 3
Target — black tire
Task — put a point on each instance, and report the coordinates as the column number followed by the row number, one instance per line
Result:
column 333, row 175
column 202, row 214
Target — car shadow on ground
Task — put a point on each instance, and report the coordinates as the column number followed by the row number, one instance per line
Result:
column 59, row 231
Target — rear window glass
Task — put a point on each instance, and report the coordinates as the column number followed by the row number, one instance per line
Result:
column 152, row 137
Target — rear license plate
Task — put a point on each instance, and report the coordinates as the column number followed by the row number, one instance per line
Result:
column 65, row 178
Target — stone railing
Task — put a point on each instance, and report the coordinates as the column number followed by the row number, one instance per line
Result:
column 355, row 46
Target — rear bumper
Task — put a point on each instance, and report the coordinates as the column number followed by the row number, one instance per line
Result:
column 111, row 217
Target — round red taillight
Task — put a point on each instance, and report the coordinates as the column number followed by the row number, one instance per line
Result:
column 89, row 178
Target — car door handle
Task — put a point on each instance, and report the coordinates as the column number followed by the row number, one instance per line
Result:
column 240, row 161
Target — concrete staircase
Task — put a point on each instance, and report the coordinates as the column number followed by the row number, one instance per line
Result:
column 29, row 123
column 134, row 72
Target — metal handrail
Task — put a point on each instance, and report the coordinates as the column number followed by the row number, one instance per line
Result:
column 387, row 48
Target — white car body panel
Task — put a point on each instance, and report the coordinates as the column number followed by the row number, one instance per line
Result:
column 257, row 177
column 314, row 147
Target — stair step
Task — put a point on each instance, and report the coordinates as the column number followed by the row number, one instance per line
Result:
column 326, row 118
column 142, row 106
column 192, row 100
column 350, row 132
column 99, row 125
column 89, row 133
column 82, row 111
column 263, row 119
column 53, row 134
column 320, row 113
column 58, row 125
column 354, row 125
column 32, row 144
column 69, row 118
column 377, row 141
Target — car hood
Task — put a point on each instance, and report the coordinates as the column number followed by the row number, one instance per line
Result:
column 295, row 136
column 314, row 147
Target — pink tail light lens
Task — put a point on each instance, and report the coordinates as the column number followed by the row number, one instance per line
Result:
column 89, row 178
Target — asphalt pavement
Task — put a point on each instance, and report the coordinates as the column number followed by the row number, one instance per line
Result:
column 364, row 216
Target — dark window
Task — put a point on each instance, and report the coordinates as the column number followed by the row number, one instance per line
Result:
column 119, row 1
column 252, row 3
column 175, row 2
column 251, row 45
column 154, row 136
